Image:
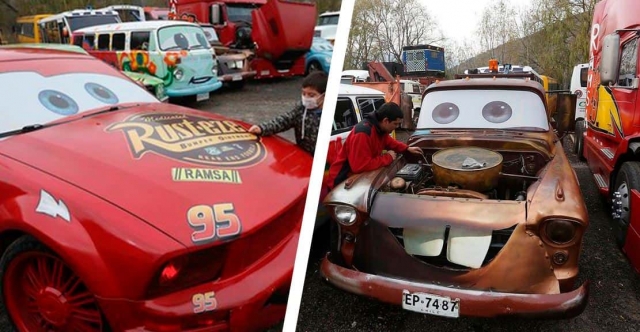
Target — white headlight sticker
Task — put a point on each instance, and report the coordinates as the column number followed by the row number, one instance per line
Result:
column 49, row 206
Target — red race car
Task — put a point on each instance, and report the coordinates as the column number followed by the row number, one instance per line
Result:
column 121, row 213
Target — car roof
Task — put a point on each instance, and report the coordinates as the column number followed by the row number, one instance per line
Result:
column 488, row 82
column 330, row 14
column 17, row 52
column 144, row 25
column 348, row 89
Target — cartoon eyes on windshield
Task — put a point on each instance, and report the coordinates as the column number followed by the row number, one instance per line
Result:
column 445, row 113
column 202, row 40
column 181, row 41
column 58, row 102
column 497, row 112
column 101, row 93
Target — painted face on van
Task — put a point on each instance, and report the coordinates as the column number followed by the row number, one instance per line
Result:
column 177, row 53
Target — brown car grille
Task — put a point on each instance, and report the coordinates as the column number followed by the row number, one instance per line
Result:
column 498, row 239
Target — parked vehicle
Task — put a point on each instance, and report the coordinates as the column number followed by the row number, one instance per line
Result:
column 494, row 192
column 278, row 32
column 121, row 213
column 319, row 57
column 233, row 65
column 26, row 28
column 131, row 13
column 354, row 75
column 612, row 140
column 327, row 26
column 58, row 28
column 579, row 87
column 176, row 52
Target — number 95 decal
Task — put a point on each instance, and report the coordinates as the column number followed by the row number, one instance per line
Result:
column 204, row 302
column 213, row 222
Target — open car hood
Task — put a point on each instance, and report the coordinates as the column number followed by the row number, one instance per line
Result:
column 281, row 27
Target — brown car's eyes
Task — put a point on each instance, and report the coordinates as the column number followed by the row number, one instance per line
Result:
column 445, row 113
column 497, row 112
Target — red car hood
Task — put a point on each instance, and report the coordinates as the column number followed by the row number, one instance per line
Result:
column 158, row 161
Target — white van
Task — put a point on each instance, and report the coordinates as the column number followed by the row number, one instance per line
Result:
column 579, row 87
column 327, row 26
column 349, row 76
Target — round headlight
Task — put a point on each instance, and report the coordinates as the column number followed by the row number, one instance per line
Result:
column 178, row 74
column 346, row 215
column 560, row 231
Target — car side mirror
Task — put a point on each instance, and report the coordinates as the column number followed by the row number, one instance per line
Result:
column 216, row 15
column 565, row 116
column 610, row 56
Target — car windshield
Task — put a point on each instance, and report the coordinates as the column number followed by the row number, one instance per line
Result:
column 81, row 22
column 238, row 12
column 33, row 98
column 329, row 20
column 321, row 45
column 211, row 34
column 483, row 109
column 182, row 37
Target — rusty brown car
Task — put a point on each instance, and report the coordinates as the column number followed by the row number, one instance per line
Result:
column 489, row 222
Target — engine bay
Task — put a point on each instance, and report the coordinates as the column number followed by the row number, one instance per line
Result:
column 468, row 172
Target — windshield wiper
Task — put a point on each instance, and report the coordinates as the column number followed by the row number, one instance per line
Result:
column 106, row 110
column 196, row 47
column 23, row 130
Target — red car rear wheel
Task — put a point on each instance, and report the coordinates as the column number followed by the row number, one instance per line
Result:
column 41, row 292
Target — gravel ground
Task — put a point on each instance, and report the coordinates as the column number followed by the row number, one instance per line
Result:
column 614, row 303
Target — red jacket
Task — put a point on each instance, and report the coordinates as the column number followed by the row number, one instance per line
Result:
column 362, row 151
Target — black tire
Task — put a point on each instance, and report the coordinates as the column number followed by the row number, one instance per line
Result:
column 313, row 66
column 628, row 178
column 578, row 146
column 22, row 245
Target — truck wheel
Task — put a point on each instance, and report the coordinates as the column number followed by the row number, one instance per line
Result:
column 578, row 146
column 628, row 178
column 40, row 292
column 313, row 66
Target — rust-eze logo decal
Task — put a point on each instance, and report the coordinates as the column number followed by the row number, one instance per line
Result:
column 191, row 139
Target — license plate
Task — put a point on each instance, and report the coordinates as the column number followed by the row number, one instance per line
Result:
column 236, row 78
column 431, row 304
column 202, row 96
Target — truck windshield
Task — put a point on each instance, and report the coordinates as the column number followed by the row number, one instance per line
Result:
column 239, row 12
column 329, row 20
column 211, row 34
column 483, row 109
column 85, row 21
column 182, row 37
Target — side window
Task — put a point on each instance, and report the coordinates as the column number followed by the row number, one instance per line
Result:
column 345, row 116
column 103, row 42
column 77, row 40
column 140, row 40
column 369, row 104
column 416, row 88
column 117, row 42
column 89, row 41
column 628, row 62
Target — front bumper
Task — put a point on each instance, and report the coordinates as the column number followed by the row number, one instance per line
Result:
column 251, row 301
column 472, row 302
column 239, row 76
column 194, row 90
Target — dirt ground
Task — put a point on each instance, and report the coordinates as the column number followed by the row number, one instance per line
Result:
column 614, row 303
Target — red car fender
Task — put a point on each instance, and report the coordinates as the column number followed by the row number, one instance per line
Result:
column 133, row 249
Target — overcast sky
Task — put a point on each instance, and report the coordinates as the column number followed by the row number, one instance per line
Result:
column 459, row 19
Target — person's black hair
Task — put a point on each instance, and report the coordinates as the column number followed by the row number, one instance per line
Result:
column 316, row 80
column 390, row 111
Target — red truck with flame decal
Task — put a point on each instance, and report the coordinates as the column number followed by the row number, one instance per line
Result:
column 612, row 136
column 278, row 32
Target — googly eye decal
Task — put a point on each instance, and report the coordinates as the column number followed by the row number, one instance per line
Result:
column 445, row 113
column 497, row 112
column 101, row 93
column 58, row 102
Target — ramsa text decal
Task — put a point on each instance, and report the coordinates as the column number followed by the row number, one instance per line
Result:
column 191, row 139
column 206, row 175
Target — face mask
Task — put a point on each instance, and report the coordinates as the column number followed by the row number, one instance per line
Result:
column 310, row 102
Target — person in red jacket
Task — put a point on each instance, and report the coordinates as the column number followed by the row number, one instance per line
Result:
column 362, row 150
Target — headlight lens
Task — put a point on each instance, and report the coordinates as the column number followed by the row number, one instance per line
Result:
column 560, row 231
column 178, row 74
column 345, row 215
